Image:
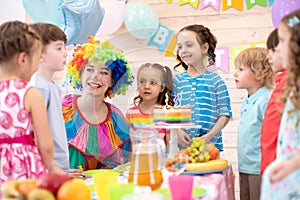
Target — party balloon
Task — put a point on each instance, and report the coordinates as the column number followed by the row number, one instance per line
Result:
column 281, row 8
column 81, row 19
column 44, row 10
column 114, row 16
column 141, row 20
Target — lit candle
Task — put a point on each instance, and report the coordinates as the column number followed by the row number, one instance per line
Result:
column 167, row 99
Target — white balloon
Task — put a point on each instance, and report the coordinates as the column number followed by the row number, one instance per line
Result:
column 113, row 16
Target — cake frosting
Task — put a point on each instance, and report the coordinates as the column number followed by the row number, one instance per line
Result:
column 172, row 115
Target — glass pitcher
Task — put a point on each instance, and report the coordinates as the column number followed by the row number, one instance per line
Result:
column 147, row 159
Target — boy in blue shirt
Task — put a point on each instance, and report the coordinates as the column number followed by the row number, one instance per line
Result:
column 253, row 73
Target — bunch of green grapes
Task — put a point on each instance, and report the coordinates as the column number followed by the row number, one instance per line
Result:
column 197, row 151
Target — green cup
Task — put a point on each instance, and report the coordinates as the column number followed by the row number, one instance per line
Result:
column 117, row 191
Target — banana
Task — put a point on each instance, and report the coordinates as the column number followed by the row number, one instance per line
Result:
column 9, row 189
column 211, row 165
column 40, row 194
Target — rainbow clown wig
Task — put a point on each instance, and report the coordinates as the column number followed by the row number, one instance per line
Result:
column 103, row 53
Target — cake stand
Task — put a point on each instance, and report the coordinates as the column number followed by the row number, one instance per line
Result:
column 173, row 142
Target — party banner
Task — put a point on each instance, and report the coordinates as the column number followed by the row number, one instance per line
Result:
column 270, row 2
column 235, row 51
column 222, row 58
column 161, row 38
column 226, row 4
column 193, row 3
column 237, row 4
column 215, row 4
column 251, row 3
column 259, row 44
column 165, row 40
column 171, row 48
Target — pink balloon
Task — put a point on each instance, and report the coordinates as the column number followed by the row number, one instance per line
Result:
column 113, row 16
column 281, row 8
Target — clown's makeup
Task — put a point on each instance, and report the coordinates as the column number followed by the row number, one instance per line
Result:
column 96, row 78
column 100, row 53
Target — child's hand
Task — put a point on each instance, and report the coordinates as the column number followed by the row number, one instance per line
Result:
column 57, row 170
column 75, row 173
column 282, row 170
column 206, row 138
column 184, row 139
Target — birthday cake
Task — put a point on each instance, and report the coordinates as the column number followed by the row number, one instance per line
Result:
column 172, row 115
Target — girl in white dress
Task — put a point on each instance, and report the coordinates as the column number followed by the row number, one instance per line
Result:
column 281, row 179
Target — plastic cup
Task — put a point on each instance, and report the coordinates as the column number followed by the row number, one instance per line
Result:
column 117, row 191
column 181, row 187
column 102, row 182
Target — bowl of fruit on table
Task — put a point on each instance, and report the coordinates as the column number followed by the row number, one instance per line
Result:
column 204, row 158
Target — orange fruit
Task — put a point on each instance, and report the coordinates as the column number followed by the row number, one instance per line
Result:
column 213, row 151
column 26, row 186
column 75, row 189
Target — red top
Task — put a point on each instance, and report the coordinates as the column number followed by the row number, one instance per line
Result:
column 271, row 124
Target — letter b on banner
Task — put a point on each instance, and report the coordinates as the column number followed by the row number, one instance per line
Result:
column 161, row 38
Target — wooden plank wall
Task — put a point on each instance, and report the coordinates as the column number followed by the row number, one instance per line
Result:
column 232, row 28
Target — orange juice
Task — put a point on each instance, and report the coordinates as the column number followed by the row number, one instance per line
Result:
column 145, row 169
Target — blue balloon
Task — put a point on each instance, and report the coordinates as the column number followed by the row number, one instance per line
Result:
column 81, row 18
column 141, row 20
column 43, row 10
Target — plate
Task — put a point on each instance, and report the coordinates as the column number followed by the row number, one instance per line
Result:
column 94, row 171
column 123, row 168
column 205, row 172
column 197, row 192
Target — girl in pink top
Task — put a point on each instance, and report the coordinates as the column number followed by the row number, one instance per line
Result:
column 26, row 146
column 155, row 83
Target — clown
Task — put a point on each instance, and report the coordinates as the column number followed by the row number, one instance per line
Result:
column 97, row 133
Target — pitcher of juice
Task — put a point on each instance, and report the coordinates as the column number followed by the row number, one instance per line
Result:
column 147, row 159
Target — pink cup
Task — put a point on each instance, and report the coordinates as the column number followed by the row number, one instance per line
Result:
column 181, row 187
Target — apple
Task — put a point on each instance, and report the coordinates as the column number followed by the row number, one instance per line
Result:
column 52, row 181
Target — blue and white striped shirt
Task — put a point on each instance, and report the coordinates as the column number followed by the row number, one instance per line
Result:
column 208, row 95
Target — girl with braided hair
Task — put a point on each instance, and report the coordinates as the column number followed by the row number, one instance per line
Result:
column 26, row 145
column 199, row 87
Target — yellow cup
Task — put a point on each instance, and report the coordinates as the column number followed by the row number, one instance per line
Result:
column 102, row 181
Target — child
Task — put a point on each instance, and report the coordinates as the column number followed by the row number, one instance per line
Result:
column 97, row 132
column 200, row 88
column 253, row 73
column 53, row 59
column 26, row 146
column 281, row 179
column 155, row 83
column 272, row 118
